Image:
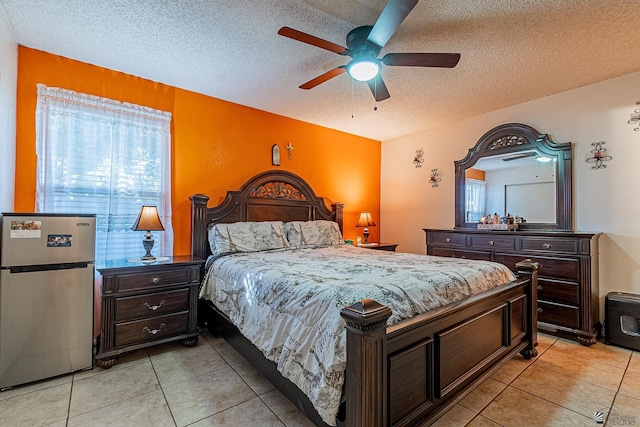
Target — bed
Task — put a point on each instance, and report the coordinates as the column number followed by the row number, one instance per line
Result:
column 398, row 370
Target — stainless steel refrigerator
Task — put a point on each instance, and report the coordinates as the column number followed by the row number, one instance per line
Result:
column 46, row 295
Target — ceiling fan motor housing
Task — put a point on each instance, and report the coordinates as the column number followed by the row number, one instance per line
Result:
column 358, row 45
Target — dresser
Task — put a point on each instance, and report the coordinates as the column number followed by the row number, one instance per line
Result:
column 147, row 304
column 568, row 297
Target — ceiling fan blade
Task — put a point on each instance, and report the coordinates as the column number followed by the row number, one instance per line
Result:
column 378, row 88
column 445, row 60
column 312, row 40
column 389, row 20
column 323, row 77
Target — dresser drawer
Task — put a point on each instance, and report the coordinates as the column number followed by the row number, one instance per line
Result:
column 152, row 304
column 151, row 329
column 494, row 243
column 560, row 268
column 560, row 292
column 457, row 253
column 558, row 314
column 549, row 244
column 146, row 280
column 445, row 239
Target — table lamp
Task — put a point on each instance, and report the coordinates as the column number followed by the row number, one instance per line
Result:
column 148, row 220
column 365, row 220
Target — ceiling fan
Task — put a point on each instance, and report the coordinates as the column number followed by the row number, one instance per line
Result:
column 363, row 46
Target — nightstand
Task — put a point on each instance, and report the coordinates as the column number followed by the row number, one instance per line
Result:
column 147, row 304
column 391, row 247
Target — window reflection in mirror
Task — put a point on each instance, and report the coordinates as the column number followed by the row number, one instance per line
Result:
column 521, row 183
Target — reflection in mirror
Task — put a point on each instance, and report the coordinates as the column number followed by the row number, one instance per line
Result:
column 517, row 184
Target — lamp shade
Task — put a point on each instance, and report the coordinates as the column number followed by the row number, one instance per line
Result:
column 365, row 220
column 148, row 220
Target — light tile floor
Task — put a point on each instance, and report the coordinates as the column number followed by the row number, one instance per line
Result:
column 212, row 385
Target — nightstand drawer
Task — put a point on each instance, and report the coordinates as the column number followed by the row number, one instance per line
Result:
column 151, row 329
column 146, row 280
column 151, row 304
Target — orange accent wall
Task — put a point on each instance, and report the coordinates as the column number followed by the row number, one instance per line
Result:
column 475, row 174
column 216, row 145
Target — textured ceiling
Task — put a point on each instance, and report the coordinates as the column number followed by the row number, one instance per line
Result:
column 511, row 51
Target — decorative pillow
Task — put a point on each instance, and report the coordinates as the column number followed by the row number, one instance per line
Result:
column 313, row 233
column 247, row 237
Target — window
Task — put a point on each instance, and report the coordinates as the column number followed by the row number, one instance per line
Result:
column 475, row 200
column 97, row 155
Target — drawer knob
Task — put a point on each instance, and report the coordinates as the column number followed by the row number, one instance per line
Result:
column 153, row 331
column 447, row 240
column 540, row 310
column 546, row 245
column 539, row 287
column 155, row 280
column 154, row 307
column 491, row 242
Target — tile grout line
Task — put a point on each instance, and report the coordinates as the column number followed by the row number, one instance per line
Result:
column 164, row 396
column 258, row 395
column 615, row 397
column 554, row 403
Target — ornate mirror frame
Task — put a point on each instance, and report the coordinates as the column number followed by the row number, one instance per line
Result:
column 513, row 138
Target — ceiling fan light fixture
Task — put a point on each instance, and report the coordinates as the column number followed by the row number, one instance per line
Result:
column 363, row 69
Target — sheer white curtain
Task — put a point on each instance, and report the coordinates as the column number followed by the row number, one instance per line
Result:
column 475, row 199
column 97, row 155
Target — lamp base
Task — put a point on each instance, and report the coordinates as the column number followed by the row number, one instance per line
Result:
column 147, row 243
column 365, row 234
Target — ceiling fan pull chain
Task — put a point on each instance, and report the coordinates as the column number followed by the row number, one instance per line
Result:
column 375, row 94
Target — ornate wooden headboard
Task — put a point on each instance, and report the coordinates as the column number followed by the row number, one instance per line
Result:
column 268, row 196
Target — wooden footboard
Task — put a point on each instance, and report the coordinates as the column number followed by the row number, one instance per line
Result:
column 416, row 370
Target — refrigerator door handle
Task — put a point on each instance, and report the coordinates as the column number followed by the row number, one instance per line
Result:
column 47, row 267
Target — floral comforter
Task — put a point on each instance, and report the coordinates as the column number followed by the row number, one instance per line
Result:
column 288, row 302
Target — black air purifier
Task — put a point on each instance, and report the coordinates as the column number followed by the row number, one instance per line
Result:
column 622, row 320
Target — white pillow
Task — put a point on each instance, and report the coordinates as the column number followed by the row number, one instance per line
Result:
column 247, row 237
column 313, row 233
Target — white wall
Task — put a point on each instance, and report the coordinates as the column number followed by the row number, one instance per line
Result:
column 605, row 200
column 8, row 84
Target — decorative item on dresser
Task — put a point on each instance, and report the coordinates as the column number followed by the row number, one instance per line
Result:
column 147, row 304
column 568, row 276
column 568, row 285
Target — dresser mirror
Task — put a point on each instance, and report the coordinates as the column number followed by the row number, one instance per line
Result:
column 515, row 170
